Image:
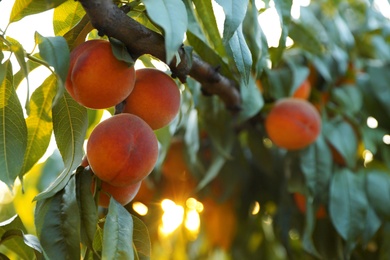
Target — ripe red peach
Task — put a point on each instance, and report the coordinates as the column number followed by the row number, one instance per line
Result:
column 155, row 98
column 293, row 123
column 122, row 150
column 96, row 78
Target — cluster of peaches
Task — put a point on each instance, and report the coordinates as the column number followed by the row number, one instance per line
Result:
column 123, row 149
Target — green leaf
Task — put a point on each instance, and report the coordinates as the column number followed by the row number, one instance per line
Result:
column 67, row 16
column 206, row 18
column 241, row 55
column 30, row 241
column 22, row 249
column 193, row 26
column 39, row 123
column 343, row 138
column 208, row 54
column 13, row 130
column 283, row 7
column 378, row 77
column 24, row 8
column 349, row 98
column 316, row 165
column 308, row 33
column 378, row 192
column 58, row 224
column 372, row 225
column 252, row 100
column 299, row 74
column 70, row 123
column 21, row 75
column 171, row 15
column 20, row 55
column 310, row 221
column 55, row 51
column 118, row 233
column 141, row 239
column 255, row 38
column 234, row 15
column 348, row 205
column 86, row 203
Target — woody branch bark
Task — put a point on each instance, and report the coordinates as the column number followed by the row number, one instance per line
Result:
column 110, row 20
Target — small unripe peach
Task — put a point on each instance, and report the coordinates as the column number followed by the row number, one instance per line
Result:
column 155, row 98
column 96, row 78
column 122, row 150
column 293, row 123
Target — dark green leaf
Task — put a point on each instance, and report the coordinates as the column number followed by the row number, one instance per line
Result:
column 70, row 123
column 252, row 100
column 299, row 74
column 378, row 78
column 343, row 138
column 171, row 15
column 378, row 192
column 118, row 233
column 141, row 239
column 348, row 205
column 66, row 16
column 23, row 8
column 234, row 15
column 349, row 98
column 86, row 203
column 39, row 123
column 241, row 55
column 372, row 225
column 58, row 224
column 316, row 165
column 13, row 130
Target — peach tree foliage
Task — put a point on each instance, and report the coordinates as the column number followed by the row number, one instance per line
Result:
column 341, row 46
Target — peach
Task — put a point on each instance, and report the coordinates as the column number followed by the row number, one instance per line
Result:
column 293, row 123
column 123, row 195
column 155, row 98
column 122, row 150
column 96, row 78
column 303, row 91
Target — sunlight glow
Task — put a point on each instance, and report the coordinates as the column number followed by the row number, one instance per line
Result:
column 372, row 122
column 255, row 208
column 192, row 222
column 192, row 203
column 140, row 208
column 386, row 139
column 367, row 156
column 172, row 218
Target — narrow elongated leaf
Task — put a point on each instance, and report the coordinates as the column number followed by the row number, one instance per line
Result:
column 255, row 38
column 13, row 130
column 70, row 123
column 241, row 55
column 66, row 16
column 206, row 17
column 17, row 236
column 55, row 51
column 39, row 123
column 58, row 224
column 171, row 15
column 118, row 233
column 193, row 25
column 88, row 211
column 348, row 205
column 283, row 7
column 378, row 192
column 316, row 165
column 234, row 15
column 141, row 239
column 15, row 224
column 23, row 8
column 208, row 54
column 20, row 55
column 77, row 34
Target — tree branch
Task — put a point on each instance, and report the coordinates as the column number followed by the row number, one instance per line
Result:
column 109, row 20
